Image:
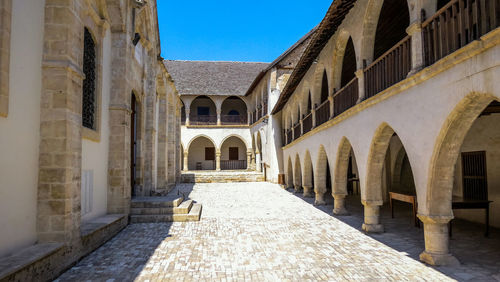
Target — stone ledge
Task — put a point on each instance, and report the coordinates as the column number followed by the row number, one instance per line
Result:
column 11, row 264
column 92, row 226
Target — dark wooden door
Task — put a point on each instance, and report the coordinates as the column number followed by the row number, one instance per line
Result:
column 133, row 143
column 233, row 153
column 475, row 186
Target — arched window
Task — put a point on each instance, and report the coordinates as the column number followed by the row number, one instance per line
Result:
column 309, row 103
column 89, row 100
column 348, row 64
column 324, row 87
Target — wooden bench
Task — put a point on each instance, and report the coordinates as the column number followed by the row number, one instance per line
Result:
column 460, row 203
column 411, row 199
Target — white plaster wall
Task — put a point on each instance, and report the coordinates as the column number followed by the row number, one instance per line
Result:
column 95, row 154
column 417, row 115
column 19, row 132
column 483, row 136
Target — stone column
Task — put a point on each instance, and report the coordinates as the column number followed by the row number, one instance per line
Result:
column 360, row 74
column 301, row 127
column 217, row 160
column 253, row 161
column 186, row 154
column 332, row 114
column 308, row 191
column 319, row 199
column 218, row 117
column 249, row 160
column 60, row 150
column 339, row 204
column 258, row 161
column 188, row 111
column 161, row 174
column 436, row 241
column 372, row 217
column 249, row 118
column 417, row 52
column 297, row 188
column 313, row 113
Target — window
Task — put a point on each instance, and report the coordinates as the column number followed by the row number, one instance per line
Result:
column 233, row 113
column 203, row 111
column 209, row 153
column 233, row 153
column 89, row 83
column 475, row 186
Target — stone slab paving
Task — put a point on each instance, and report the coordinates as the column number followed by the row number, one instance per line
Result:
column 249, row 231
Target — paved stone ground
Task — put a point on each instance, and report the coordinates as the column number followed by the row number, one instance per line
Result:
column 257, row 231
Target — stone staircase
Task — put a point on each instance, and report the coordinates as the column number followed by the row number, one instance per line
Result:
column 164, row 209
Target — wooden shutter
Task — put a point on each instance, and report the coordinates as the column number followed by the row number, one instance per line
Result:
column 209, row 153
column 233, row 153
column 475, row 185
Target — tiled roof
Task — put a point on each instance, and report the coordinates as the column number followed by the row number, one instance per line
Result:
column 213, row 78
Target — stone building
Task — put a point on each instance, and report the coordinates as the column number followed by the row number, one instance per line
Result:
column 89, row 117
column 399, row 99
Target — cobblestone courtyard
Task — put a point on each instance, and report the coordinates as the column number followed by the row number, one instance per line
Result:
column 256, row 231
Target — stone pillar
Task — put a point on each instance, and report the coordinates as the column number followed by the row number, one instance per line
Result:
column 60, row 150
column 319, row 199
column 249, row 160
column 186, row 154
column 297, row 188
column 436, row 241
column 332, row 113
column 339, row 204
column 253, row 161
column 162, row 168
column 417, row 52
column 249, row 117
column 217, row 160
column 313, row 113
column 308, row 191
column 218, row 117
column 360, row 74
column 372, row 217
column 188, row 111
column 258, row 166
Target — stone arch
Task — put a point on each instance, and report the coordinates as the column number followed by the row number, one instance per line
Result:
column 320, row 175
column 297, row 174
column 207, row 117
column 317, row 80
column 446, row 152
column 344, row 47
column 234, row 109
column 324, row 87
column 341, row 168
column 289, row 179
column 372, row 191
column 234, row 135
column 196, row 156
column 370, row 21
column 308, row 175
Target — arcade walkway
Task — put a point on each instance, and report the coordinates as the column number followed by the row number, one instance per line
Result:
column 252, row 231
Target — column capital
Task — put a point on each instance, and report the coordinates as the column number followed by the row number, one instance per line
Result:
column 413, row 28
column 435, row 219
column 372, row 202
column 359, row 73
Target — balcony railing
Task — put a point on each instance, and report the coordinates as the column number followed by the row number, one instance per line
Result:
column 323, row 112
column 233, row 119
column 346, row 97
column 202, row 119
column 296, row 131
column 457, row 24
column 389, row 69
column 307, row 123
column 233, row 164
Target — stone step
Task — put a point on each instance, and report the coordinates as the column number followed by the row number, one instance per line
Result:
column 193, row 215
column 183, row 208
column 155, row 202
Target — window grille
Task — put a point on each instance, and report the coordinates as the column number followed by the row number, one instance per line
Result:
column 475, row 186
column 89, row 83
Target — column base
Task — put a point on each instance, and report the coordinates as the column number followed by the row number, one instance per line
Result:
column 373, row 228
column 297, row 189
column 307, row 192
column 319, row 200
column 439, row 259
column 340, row 211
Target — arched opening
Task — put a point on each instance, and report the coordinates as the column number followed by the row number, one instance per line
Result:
column 297, row 175
column 464, row 170
column 393, row 20
column 183, row 113
column 309, row 103
column 134, row 136
column 323, row 183
column 348, row 64
column 289, row 178
column 324, row 87
column 202, row 111
column 201, row 154
column 234, row 111
column 346, row 188
column 233, row 154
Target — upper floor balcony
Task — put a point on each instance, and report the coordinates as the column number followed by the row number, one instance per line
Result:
column 204, row 111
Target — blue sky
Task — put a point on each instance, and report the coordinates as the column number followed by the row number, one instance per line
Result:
column 250, row 31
